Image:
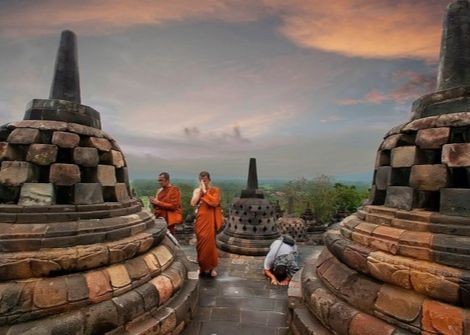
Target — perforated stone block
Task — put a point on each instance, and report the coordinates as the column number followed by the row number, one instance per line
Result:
column 106, row 175
column 42, row 154
column 383, row 177
column 9, row 152
column 87, row 157
column 456, row 155
column 401, row 197
column 455, row 201
column 65, row 140
column 113, row 157
column 64, row 174
column 403, row 156
column 429, row 177
column 37, row 194
column 15, row 173
column 101, row 144
column 432, row 138
column 24, row 136
column 88, row 193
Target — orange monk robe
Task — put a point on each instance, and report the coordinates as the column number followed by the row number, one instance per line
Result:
column 169, row 206
column 205, row 228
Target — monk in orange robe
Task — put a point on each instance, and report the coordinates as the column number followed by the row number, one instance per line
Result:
column 167, row 202
column 207, row 199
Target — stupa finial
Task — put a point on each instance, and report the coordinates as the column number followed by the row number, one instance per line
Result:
column 66, row 81
column 454, row 63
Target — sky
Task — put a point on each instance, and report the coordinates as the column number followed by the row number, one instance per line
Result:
column 306, row 87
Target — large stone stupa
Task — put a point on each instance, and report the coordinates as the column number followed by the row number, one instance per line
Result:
column 401, row 265
column 251, row 226
column 78, row 255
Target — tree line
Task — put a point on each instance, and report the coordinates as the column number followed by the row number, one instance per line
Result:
column 322, row 194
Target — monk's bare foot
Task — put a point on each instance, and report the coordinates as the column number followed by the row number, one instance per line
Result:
column 213, row 273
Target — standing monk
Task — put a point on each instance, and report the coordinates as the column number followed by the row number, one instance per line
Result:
column 206, row 198
column 167, row 202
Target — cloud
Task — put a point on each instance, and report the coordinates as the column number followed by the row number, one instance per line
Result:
column 364, row 28
column 411, row 85
column 36, row 18
column 235, row 135
column 358, row 28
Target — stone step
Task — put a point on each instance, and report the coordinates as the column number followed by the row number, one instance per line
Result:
column 43, row 263
column 158, row 269
column 440, row 282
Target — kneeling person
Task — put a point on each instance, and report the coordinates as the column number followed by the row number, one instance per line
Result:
column 280, row 263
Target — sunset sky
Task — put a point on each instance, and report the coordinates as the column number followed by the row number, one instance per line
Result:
column 306, row 87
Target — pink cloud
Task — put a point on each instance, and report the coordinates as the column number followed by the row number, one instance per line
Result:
column 359, row 28
column 410, row 85
column 364, row 28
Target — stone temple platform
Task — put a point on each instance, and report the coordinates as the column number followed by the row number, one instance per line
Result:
column 78, row 255
column 401, row 265
column 241, row 300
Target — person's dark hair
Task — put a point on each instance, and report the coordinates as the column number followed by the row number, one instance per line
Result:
column 280, row 272
column 165, row 175
column 205, row 174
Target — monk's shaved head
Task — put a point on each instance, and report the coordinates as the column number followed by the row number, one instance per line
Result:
column 165, row 175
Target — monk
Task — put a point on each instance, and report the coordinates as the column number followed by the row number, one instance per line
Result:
column 206, row 198
column 167, row 202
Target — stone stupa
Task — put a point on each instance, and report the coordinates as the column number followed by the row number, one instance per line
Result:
column 401, row 265
column 78, row 255
column 251, row 226
column 291, row 224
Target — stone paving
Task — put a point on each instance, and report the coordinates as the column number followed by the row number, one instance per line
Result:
column 240, row 300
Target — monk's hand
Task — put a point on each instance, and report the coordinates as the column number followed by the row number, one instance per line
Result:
column 274, row 281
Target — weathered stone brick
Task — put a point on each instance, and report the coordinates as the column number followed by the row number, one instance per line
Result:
column 88, row 193
column 401, row 197
column 404, row 156
column 42, row 154
column 119, row 276
column 456, row 155
column 87, row 157
column 455, row 201
column 364, row 324
column 50, row 292
column 399, row 303
column 16, row 173
column 99, row 286
column 442, row 318
column 24, row 136
column 129, row 306
column 383, row 177
column 429, row 177
column 106, row 175
column 65, row 140
column 64, row 174
column 432, row 138
column 117, row 192
column 9, row 152
column 164, row 288
column 37, row 194
column 114, row 158
column 101, row 144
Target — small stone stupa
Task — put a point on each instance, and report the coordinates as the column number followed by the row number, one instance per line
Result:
column 78, row 255
column 401, row 265
column 251, row 226
column 292, row 225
